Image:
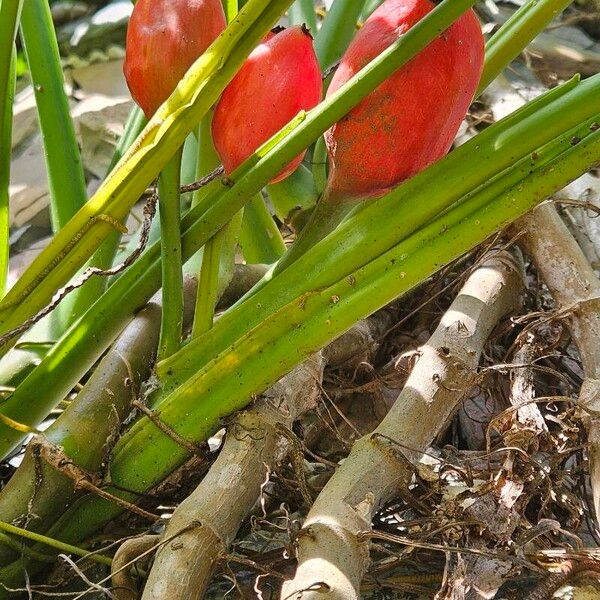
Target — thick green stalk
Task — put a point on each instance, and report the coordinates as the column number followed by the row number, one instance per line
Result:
column 260, row 237
column 295, row 193
column 323, row 220
column 165, row 132
column 221, row 247
column 303, row 11
column 189, row 162
column 319, row 165
column 337, row 31
column 231, row 9
column 289, row 335
column 136, row 121
column 510, row 40
column 370, row 6
column 172, row 264
column 498, row 148
column 220, row 268
column 207, row 160
column 63, row 160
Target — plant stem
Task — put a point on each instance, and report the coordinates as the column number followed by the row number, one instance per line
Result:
column 209, row 271
column 510, row 40
column 6, row 115
column 222, row 244
column 136, row 121
column 208, row 284
column 165, row 132
column 295, row 193
column 57, row 544
column 337, row 31
column 231, row 9
column 303, row 11
column 171, row 260
column 260, row 237
column 288, row 336
column 370, row 6
column 10, row 11
column 324, row 219
column 319, row 164
column 63, row 160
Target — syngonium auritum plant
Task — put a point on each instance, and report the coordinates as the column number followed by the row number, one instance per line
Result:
column 382, row 250
column 107, row 317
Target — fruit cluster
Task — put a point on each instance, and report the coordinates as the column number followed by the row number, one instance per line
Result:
column 403, row 126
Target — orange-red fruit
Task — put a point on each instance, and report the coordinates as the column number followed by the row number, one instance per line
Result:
column 280, row 78
column 164, row 38
column 411, row 119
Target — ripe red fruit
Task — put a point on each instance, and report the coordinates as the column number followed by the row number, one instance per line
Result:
column 164, row 38
column 411, row 119
column 280, row 78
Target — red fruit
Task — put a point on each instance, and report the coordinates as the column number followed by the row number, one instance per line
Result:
column 411, row 119
column 164, row 38
column 280, row 78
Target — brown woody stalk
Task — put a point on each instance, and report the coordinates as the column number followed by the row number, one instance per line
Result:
column 572, row 282
column 333, row 552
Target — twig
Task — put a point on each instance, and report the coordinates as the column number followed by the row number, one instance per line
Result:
column 197, row 185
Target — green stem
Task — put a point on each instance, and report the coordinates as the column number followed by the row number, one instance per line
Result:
column 172, row 264
column 56, row 544
column 291, row 334
column 260, row 237
column 63, row 160
column 444, row 183
column 303, row 11
column 370, row 6
column 20, row 548
column 295, row 193
column 208, row 284
column 215, row 249
column 10, row 11
column 324, row 219
column 231, row 9
column 208, row 279
column 136, row 121
column 337, row 31
column 510, row 40
column 6, row 115
column 164, row 134
column 319, row 165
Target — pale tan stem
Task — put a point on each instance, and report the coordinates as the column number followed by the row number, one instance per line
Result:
column 204, row 525
column 333, row 552
column 572, row 282
column 124, row 585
